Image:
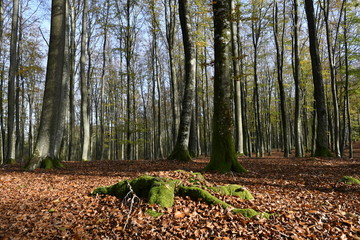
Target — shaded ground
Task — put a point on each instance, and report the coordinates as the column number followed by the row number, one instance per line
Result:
column 305, row 195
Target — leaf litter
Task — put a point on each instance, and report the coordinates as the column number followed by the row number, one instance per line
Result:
column 305, row 195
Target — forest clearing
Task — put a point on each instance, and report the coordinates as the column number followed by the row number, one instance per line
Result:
column 305, row 195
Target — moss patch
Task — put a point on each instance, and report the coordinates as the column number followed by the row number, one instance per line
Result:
column 350, row 180
column 180, row 154
column 161, row 191
column 233, row 190
column 153, row 213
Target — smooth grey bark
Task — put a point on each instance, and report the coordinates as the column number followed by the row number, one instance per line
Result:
column 279, row 45
column 170, row 18
column 331, row 44
column 128, row 47
column 10, row 156
column 72, row 57
column 322, row 147
column 47, row 145
column 180, row 151
column 347, row 102
column 223, row 155
column 297, row 76
column 239, row 137
column 85, row 121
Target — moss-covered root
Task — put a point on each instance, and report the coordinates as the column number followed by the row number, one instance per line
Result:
column 180, row 154
column 196, row 193
column 155, row 190
column 233, row 190
column 350, row 180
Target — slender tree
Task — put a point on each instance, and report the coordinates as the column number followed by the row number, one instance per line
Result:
column 223, row 155
column 85, row 121
column 180, row 151
column 10, row 157
column 296, row 72
column 322, row 146
column 47, row 147
column 279, row 45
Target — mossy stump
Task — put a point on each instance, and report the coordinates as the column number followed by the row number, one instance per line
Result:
column 158, row 190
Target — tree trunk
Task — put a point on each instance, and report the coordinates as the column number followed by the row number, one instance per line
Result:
column 347, row 103
column 10, row 157
column 239, row 138
column 72, row 81
column 85, row 121
column 297, row 77
column 223, row 156
column 279, row 44
column 322, row 148
column 47, row 146
column 180, row 151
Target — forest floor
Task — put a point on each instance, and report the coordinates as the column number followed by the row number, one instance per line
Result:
column 305, row 195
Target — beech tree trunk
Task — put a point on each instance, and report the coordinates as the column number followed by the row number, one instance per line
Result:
column 239, row 138
column 223, row 155
column 47, row 146
column 85, row 121
column 296, row 67
column 180, row 151
column 279, row 44
column 11, row 140
column 322, row 146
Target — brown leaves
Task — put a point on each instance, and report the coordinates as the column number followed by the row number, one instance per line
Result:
column 304, row 194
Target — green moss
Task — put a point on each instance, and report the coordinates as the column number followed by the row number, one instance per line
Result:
column 11, row 161
column 196, row 193
column 350, row 180
column 322, row 152
column 180, row 154
column 233, row 190
column 154, row 213
column 51, row 163
column 249, row 213
column 161, row 191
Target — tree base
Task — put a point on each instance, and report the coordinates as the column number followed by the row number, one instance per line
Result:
column 322, row 152
column 161, row 191
column 46, row 163
column 180, row 154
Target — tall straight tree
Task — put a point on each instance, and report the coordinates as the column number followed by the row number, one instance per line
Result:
column 223, row 155
column 47, row 147
column 85, row 118
column 239, row 138
column 181, row 151
column 347, row 102
column 10, row 156
column 296, row 66
column 279, row 45
column 331, row 46
column 322, row 146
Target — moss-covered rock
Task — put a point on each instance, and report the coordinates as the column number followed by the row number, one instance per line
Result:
column 350, row 180
column 161, row 191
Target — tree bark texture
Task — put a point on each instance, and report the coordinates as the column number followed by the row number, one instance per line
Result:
column 180, row 151
column 46, row 154
column 10, row 156
column 223, row 156
column 322, row 146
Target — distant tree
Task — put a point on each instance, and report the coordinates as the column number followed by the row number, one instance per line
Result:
column 223, row 155
column 47, row 147
column 322, row 146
